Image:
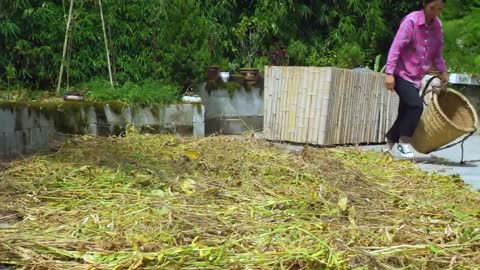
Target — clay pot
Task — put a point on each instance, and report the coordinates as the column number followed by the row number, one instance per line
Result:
column 213, row 73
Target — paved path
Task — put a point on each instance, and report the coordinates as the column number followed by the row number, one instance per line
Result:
column 447, row 161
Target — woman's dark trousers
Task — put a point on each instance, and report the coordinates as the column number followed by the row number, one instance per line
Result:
column 410, row 110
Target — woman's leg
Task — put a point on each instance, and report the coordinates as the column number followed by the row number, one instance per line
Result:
column 413, row 109
column 393, row 135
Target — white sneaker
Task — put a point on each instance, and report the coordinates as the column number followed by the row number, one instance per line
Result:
column 404, row 150
column 386, row 150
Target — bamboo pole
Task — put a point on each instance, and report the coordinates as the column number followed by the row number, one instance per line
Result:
column 356, row 111
column 268, row 96
column 382, row 113
column 278, row 100
column 331, row 112
column 106, row 43
column 298, row 112
column 315, row 119
column 364, row 106
column 65, row 43
column 356, row 108
column 293, row 104
column 309, row 102
column 371, row 123
column 285, row 110
column 319, row 120
column 348, row 106
column 369, row 107
column 338, row 104
column 353, row 106
column 375, row 112
column 322, row 105
column 361, row 108
column 375, row 117
column 388, row 114
column 342, row 100
column 267, row 101
column 275, row 115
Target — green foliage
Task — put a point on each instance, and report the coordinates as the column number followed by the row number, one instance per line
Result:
column 148, row 91
column 377, row 65
column 29, row 35
column 350, row 56
column 462, row 35
column 298, row 51
column 16, row 94
column 176, row 41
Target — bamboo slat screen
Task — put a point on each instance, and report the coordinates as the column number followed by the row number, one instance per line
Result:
column 326, row 105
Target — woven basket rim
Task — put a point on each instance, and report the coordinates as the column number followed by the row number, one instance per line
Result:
column 470, row 107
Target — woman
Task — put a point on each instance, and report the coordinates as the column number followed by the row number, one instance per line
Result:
column 417, row 47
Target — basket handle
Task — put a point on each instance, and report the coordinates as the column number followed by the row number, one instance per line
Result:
column 426, row 87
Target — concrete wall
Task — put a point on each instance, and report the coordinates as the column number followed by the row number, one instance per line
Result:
column 233, row 111
column 472, row 93
column 28, row 127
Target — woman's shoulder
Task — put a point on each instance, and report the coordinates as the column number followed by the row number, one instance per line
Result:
column 411, row 18
column 414, row 15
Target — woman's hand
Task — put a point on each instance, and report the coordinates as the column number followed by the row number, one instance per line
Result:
column 389, row 82
column 444, row 79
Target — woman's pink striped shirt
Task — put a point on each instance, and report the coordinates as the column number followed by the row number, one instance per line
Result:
column 416, row 47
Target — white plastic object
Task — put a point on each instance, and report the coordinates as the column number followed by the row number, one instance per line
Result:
column 192, row 99
column 225, row 76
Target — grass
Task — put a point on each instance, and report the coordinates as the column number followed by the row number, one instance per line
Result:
column 146, row 92
column 161, row 202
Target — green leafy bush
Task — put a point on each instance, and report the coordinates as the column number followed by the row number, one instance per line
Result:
column 350, row 55
column 148, row 91
column 462, row 47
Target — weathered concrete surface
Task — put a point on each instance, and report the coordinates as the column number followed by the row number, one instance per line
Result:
column 232, row 112
column 448, row 161
column 472, row 93
column 29, row 127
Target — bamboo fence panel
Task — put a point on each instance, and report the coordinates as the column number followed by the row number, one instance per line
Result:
column 326, row 106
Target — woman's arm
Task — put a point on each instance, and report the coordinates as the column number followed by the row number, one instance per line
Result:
column 402, row 38
column 438, row 60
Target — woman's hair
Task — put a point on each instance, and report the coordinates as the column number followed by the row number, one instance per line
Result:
column 426, row 2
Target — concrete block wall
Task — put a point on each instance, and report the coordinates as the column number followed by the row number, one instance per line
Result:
column 472, row 93
column 233, row 111
column 29, row 127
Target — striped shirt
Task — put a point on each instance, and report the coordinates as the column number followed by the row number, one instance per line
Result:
column 416, row 47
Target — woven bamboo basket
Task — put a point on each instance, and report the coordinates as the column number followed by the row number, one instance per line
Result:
column 447, row 117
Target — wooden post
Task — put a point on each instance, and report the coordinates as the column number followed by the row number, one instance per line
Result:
column 64, row 48
column 106, row 43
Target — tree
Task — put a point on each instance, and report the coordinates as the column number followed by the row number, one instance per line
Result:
column 462, row 35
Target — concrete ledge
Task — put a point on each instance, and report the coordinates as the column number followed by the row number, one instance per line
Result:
column 29, row 127
column 233, row 125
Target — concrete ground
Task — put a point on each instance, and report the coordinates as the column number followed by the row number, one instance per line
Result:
column 448, row 161
column 445, row 161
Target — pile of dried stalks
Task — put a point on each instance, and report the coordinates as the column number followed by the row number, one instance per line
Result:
column 150, row 202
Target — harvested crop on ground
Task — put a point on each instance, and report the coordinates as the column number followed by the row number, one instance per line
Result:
column 162, row 202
